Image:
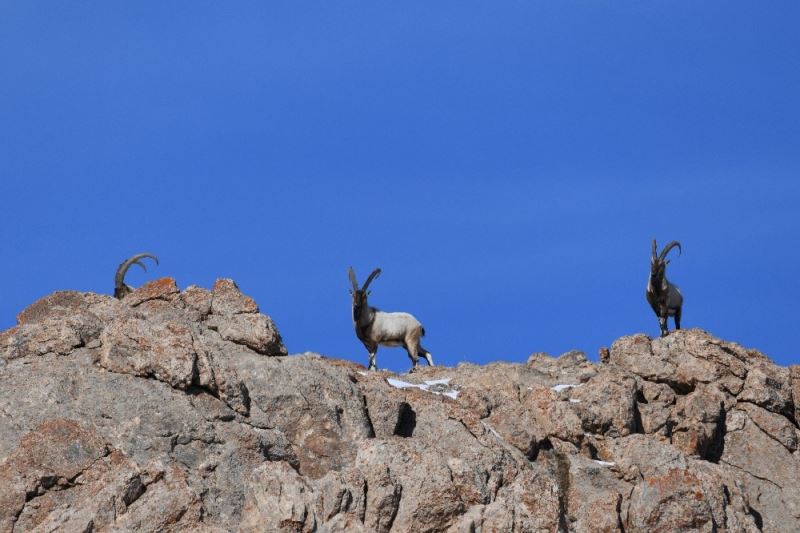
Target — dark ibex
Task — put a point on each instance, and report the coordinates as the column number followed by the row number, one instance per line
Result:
column 374, row 327
column 664, row 297
column 120, row 288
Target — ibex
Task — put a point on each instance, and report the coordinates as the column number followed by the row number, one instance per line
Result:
column 374, row 327
column 664, row 297
column 121, row 290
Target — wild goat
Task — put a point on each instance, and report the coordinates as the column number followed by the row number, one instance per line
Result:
column 121, row 290
column 664, row 297
column 375, row 327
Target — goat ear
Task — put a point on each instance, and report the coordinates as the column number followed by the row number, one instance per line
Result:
column 369, row 292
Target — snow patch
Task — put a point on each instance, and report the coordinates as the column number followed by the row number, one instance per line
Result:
column 572, row 400
column 564, row 386
column 363, row 373
column 603, row 463
column 400, row 384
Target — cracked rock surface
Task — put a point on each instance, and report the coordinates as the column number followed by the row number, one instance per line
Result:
column 179, row 410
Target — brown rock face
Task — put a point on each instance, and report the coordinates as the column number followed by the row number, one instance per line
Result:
column 178, row 410
column 64, row 477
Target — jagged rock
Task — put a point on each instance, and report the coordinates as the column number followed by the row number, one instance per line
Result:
column 673, row 501
column 58, row 323
column 770, row 387
column 278, row 499
column 794, row 375
column 167, row 411
column 606, row 404
column 63, row 477
column 158, row 289
column 769, row 471
column 595, row 496
column 236, row 318
column 696, row 420
column 164, row 351
column 654, row 407
column 774, row 425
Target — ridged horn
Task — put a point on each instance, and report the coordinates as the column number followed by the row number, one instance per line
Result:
column 352, row 276
column 668, row 247
column 119, row 277
column 375, row 274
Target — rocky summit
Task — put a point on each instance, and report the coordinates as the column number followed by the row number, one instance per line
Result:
column 180, row 410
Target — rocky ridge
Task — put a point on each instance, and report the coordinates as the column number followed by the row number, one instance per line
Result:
column 180, row 410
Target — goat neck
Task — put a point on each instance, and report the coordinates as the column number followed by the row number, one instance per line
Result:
column 363, row 313
column 657, row 284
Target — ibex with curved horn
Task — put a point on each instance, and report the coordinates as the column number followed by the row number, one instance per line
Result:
column 664, row 297
column 375, row 327
column 120, row 288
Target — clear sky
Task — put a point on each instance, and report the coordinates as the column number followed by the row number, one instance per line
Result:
column 505, row 163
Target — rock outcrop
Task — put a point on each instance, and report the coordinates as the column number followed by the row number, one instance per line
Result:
column 180, row 410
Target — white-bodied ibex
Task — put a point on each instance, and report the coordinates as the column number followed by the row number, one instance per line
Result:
column 375, row 327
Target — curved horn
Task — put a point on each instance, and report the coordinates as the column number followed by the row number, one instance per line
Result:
column 668, row 247
column 119, row 277
column 375, row 274
column 352, row 276
column 655, row 249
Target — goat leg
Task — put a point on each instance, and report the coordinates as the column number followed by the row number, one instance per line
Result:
column 413, row 354
column 427, row 355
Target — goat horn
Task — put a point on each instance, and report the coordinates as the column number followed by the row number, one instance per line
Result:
column 655, row 248
column 375, row 274
column 119, row 278
column 352, row 276
column 668, row 247
column 137, row 262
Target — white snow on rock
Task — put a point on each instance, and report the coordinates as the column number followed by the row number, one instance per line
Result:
column 400, row 384
column 564, row 386
column 603, row 463
column 572, row 400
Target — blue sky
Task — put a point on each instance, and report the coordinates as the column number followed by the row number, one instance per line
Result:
column 505, row 163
